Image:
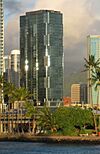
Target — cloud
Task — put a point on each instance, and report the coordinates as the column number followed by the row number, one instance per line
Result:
column 12, row 7
column 17, row 6
column 81, row 18
column 13, row 10
column 76, row 25
column 93, row 8
column 75, row 16
column 12, row 34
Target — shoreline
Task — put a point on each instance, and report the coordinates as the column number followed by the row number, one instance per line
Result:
column 89, row 140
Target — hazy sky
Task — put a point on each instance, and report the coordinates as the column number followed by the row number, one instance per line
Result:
column 81, row 18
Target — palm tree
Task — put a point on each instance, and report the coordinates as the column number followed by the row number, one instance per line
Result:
column 47, row 120
column 31, row 113
column 9, row 90
column 91, row 63
column 93, row 66
column 21, row 95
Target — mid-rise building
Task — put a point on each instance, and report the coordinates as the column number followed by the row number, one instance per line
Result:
column 1, row 37
column 75, row 93
column 15, row 67
column 93, row 49
column 41, row 46
column 79, row 94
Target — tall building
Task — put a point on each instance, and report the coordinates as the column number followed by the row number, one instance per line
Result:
column 7, row 68
column 93, row 49
column 41, row 46
column 79, row 94
column 15, row 67
column 83, row 93
column 1, row 37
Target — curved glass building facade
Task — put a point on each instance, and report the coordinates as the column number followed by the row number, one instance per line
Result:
column 41, row 47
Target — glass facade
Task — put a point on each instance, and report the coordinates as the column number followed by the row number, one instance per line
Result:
column 1, row 37
column 41, row 46
column 93, row 49
column 15, row 68
column 6, row 70
column 83, row 93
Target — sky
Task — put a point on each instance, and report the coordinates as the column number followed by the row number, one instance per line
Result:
column 80, row 18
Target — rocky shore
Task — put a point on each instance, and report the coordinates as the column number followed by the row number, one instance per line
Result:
column 51, row 139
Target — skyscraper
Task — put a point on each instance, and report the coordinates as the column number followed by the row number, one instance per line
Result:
column 93, row 49
column 1, row 37
column 15, row 67
column 41, row 46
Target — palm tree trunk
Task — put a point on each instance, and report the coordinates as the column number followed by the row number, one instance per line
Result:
column 97, row 100
column 95, row 123
column 91, row 97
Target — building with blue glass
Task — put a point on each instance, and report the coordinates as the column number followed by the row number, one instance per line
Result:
column 93, row 49
column 41, row 53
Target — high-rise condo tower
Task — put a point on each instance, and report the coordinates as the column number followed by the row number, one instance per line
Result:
column 93, row 49
column 41, row 47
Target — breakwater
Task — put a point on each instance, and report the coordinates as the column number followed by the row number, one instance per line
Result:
column 51, row 139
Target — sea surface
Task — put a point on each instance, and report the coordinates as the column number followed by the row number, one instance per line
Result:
column 43, row 148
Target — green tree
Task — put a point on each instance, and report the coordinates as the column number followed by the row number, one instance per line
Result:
column 64, row 121
column 72, row 120
column 92, row 66
column 47, row 121
column 21, row 96
column 9, row 92
column 32, row 113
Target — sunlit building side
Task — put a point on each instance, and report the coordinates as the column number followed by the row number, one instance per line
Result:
column 15, row 67
column 79, row 94
column 93, row 49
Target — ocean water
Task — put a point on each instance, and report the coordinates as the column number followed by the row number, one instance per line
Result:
column 43, row 148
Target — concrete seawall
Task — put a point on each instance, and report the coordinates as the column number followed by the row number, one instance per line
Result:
column 50, row 139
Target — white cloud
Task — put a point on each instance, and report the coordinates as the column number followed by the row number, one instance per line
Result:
column 76, row 17
column 79, row 20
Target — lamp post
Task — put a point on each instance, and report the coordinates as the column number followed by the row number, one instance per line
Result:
column 26, row 70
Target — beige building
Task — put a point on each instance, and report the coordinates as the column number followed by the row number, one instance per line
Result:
column 75, row 93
